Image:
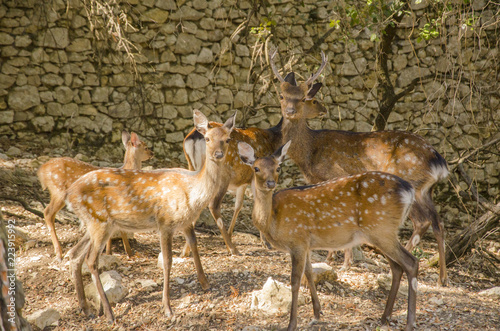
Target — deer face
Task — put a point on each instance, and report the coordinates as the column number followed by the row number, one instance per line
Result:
column 216, row 139
column 266, row 169
column 299, row 102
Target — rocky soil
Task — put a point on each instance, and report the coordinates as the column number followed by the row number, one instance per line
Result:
column 354, row 302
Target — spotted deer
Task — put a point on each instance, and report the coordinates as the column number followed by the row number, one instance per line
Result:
column 343, row 212
column 237, row 176
column 168, row 200
column 325, row 154
column 58, row 174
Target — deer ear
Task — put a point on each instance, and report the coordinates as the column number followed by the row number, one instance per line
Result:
column 246, row 153
column 313, row 90
column 200, row 122
column 281, row 152
column 290, row 79
column 134, row 139
column 125, row 138
column 231, row 122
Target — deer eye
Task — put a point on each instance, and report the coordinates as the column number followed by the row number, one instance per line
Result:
column 256, row 169
column 315, row 102
column 207, row 139
column 228, row 140
column 281, row 97
column 278, row 169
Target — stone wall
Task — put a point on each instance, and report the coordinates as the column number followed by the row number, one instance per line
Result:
column 64, row 89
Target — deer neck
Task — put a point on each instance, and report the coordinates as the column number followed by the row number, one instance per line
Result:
column 131, row 162
column 206, row 181
column 262, row 210
column 302, row 138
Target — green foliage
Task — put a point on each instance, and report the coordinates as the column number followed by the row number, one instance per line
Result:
column 420, row 254
column 264, row 29
column 429, row 31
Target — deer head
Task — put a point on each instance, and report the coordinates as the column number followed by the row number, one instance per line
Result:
column 216, row 140
column 297, row 100
column 266, row 169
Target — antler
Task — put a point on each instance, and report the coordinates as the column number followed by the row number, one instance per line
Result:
column 273, row 66
column 324, row 60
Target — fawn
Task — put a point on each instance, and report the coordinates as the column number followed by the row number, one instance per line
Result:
column 132, row 200
column 336, row 214
column 325, row 154
column 58, row 174
column 238, row 176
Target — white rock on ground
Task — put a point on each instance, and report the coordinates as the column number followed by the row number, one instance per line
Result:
column 43, row 318
column 275, row 297
column 175, row 260
column 106, row 262
column 491, row 292
column 113, row 287
column 385, row 282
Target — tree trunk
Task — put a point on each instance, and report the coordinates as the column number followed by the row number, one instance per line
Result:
column 11, row 290
column 463, row 242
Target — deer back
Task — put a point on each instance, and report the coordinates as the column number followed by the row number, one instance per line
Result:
column 58, row 174
column 135, row 200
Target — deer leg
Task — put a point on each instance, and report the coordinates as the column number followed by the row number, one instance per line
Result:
column 240, row 195
column 166, row 251
column 439, row 233
column 56, row 203
column 109, row 249
column 312, row 287
column 298, row 264
column 191, row 240
column 401, row 260
column 214, row 207
column 423, row 214
column 126, row 244
column 96, row 247
column 348, row 258
column 186, row 250
column 77, row 256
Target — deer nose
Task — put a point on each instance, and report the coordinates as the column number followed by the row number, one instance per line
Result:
column 291, row 110
column 271, row 184
column 219, row 155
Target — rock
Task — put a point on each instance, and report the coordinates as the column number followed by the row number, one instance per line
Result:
column 175, row 260
column 157, row 15
column 7, row 116
column 275, row 297
column 492, row 292
column 22, row 98
column 436, row 301
column 187, row 44
column 385, row 282
column 112, row 284
column 147, row 284
column 106, row 262
column 54, row 38
column 14, row 151
column 43, row 318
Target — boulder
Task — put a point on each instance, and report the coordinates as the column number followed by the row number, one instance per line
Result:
column 274, row 298
column 43, row 318
column 113, row 287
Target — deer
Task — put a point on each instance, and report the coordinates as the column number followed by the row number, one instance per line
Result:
column 168, row 200
column 237, row 176
column 325, row 154
column 343, row 212
column 58, row 174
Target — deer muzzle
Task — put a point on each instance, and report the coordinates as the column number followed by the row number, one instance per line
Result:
column 218, row 155
column 271, row 184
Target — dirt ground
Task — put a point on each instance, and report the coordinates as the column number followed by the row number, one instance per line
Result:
column 355, row 302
